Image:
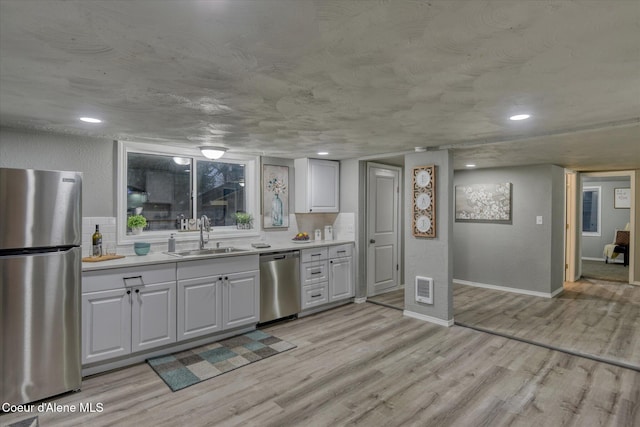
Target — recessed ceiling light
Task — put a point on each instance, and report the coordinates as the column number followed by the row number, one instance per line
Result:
column 470, row 165
column 323, row 153
column 90, row 120
column 520, row 117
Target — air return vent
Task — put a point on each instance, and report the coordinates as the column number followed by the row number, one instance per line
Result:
column 424, row 290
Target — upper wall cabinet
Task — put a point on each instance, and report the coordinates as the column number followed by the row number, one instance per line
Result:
column 317, row 185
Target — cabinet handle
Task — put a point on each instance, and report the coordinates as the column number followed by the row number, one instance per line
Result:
column 316, row 295
column 137, row 291
column 128, row 292
column 342, row 252
column 315, row 254
column 372, row 240
column 226, row 278
column 124, row 279
column 331, row 262
column 316, row 272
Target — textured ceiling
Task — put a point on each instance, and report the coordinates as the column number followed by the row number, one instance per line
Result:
column 355, row 78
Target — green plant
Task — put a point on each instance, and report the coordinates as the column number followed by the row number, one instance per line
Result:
column 136, row 221
column 243, row 218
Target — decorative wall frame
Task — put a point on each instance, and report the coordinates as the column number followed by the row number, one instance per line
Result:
column 622, row 198
column 275, row 196
column 484, row 203
column 423, row 223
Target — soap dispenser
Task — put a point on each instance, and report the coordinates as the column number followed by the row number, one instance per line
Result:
column 172, row 243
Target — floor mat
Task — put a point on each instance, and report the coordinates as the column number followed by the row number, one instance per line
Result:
column 185, row 368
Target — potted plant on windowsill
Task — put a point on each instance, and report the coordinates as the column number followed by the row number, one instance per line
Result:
column 136, row 223
column 243, row 220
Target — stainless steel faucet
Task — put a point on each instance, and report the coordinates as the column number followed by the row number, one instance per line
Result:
column 204, row 222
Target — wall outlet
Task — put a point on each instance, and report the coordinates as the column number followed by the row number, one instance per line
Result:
column 539, row 220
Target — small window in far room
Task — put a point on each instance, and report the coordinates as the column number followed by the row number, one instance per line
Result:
column 591, row 210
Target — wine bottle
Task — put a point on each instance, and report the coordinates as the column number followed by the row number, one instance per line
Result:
column 97, row 242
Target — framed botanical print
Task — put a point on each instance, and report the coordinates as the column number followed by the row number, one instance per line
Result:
column 275, row 196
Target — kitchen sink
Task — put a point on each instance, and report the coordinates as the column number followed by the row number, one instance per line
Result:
column 202, row 252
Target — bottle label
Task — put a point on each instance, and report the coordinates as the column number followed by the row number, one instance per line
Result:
column 97, row 248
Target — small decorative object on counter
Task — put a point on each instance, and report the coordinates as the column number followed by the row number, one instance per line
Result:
column 328, row 232
column 318, row 234
column 96, row 243
column 136, row 223
column 172, row 243
column 304, row 236
column 243, row 220
column 141, row 248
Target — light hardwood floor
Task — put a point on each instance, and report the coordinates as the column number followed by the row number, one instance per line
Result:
column 364, row 364
column 592, row 317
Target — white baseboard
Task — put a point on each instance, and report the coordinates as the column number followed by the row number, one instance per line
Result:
column 513, row 290
column 429, row 319
column 617, row 260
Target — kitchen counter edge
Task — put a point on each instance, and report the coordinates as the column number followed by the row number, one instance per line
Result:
column 163, row 258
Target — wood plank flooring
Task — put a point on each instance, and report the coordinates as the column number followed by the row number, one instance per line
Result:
column 364, row 364
column 591, row 317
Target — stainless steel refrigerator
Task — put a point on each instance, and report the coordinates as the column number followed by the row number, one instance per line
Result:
column 40, row 283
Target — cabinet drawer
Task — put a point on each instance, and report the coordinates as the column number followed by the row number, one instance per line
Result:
column 317, row 254
column 314, row 272
column 340, row 250
column 103, row 280
column 315, row 295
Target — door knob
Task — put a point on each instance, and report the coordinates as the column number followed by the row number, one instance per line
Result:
column 372, row 240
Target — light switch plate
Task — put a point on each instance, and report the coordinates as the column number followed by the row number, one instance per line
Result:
column 539, row 219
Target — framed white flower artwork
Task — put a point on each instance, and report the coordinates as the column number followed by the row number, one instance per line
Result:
column 484, row 203
column 275, row 196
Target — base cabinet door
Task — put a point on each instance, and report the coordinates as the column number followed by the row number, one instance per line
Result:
column 341, row 279
column 153, row 317
column 241, row 299
column 199, row 303
column 106, row 325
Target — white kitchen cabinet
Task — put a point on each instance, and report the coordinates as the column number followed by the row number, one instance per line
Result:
column 327, row 275
column 153, row 316
column 106, row 325
column 317, row 185
column 241, row 299
column 341, row 278
column 217, row 294
column 126, row 310
column 199, row 306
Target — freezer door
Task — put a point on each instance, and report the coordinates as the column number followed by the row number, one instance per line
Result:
column 40, row 208
column 40, row 322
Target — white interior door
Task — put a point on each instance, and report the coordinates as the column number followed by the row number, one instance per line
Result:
column 383, row 229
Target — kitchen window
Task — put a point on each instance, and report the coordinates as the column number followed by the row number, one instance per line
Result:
column 167, row 185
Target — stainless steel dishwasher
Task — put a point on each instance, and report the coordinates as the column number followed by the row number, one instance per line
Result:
column 279, row 285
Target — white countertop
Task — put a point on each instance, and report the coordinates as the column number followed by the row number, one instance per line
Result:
column 162, row 258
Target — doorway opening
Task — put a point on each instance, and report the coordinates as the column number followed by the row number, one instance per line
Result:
column 599, row 226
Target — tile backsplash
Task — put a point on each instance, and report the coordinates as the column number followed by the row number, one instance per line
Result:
column 343, row 225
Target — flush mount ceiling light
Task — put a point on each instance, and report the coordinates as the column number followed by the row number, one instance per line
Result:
column 470, row 165
column 323, row 153
column 181, row 161
column 520, row 117
column 90, row 120
column 211, row 152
